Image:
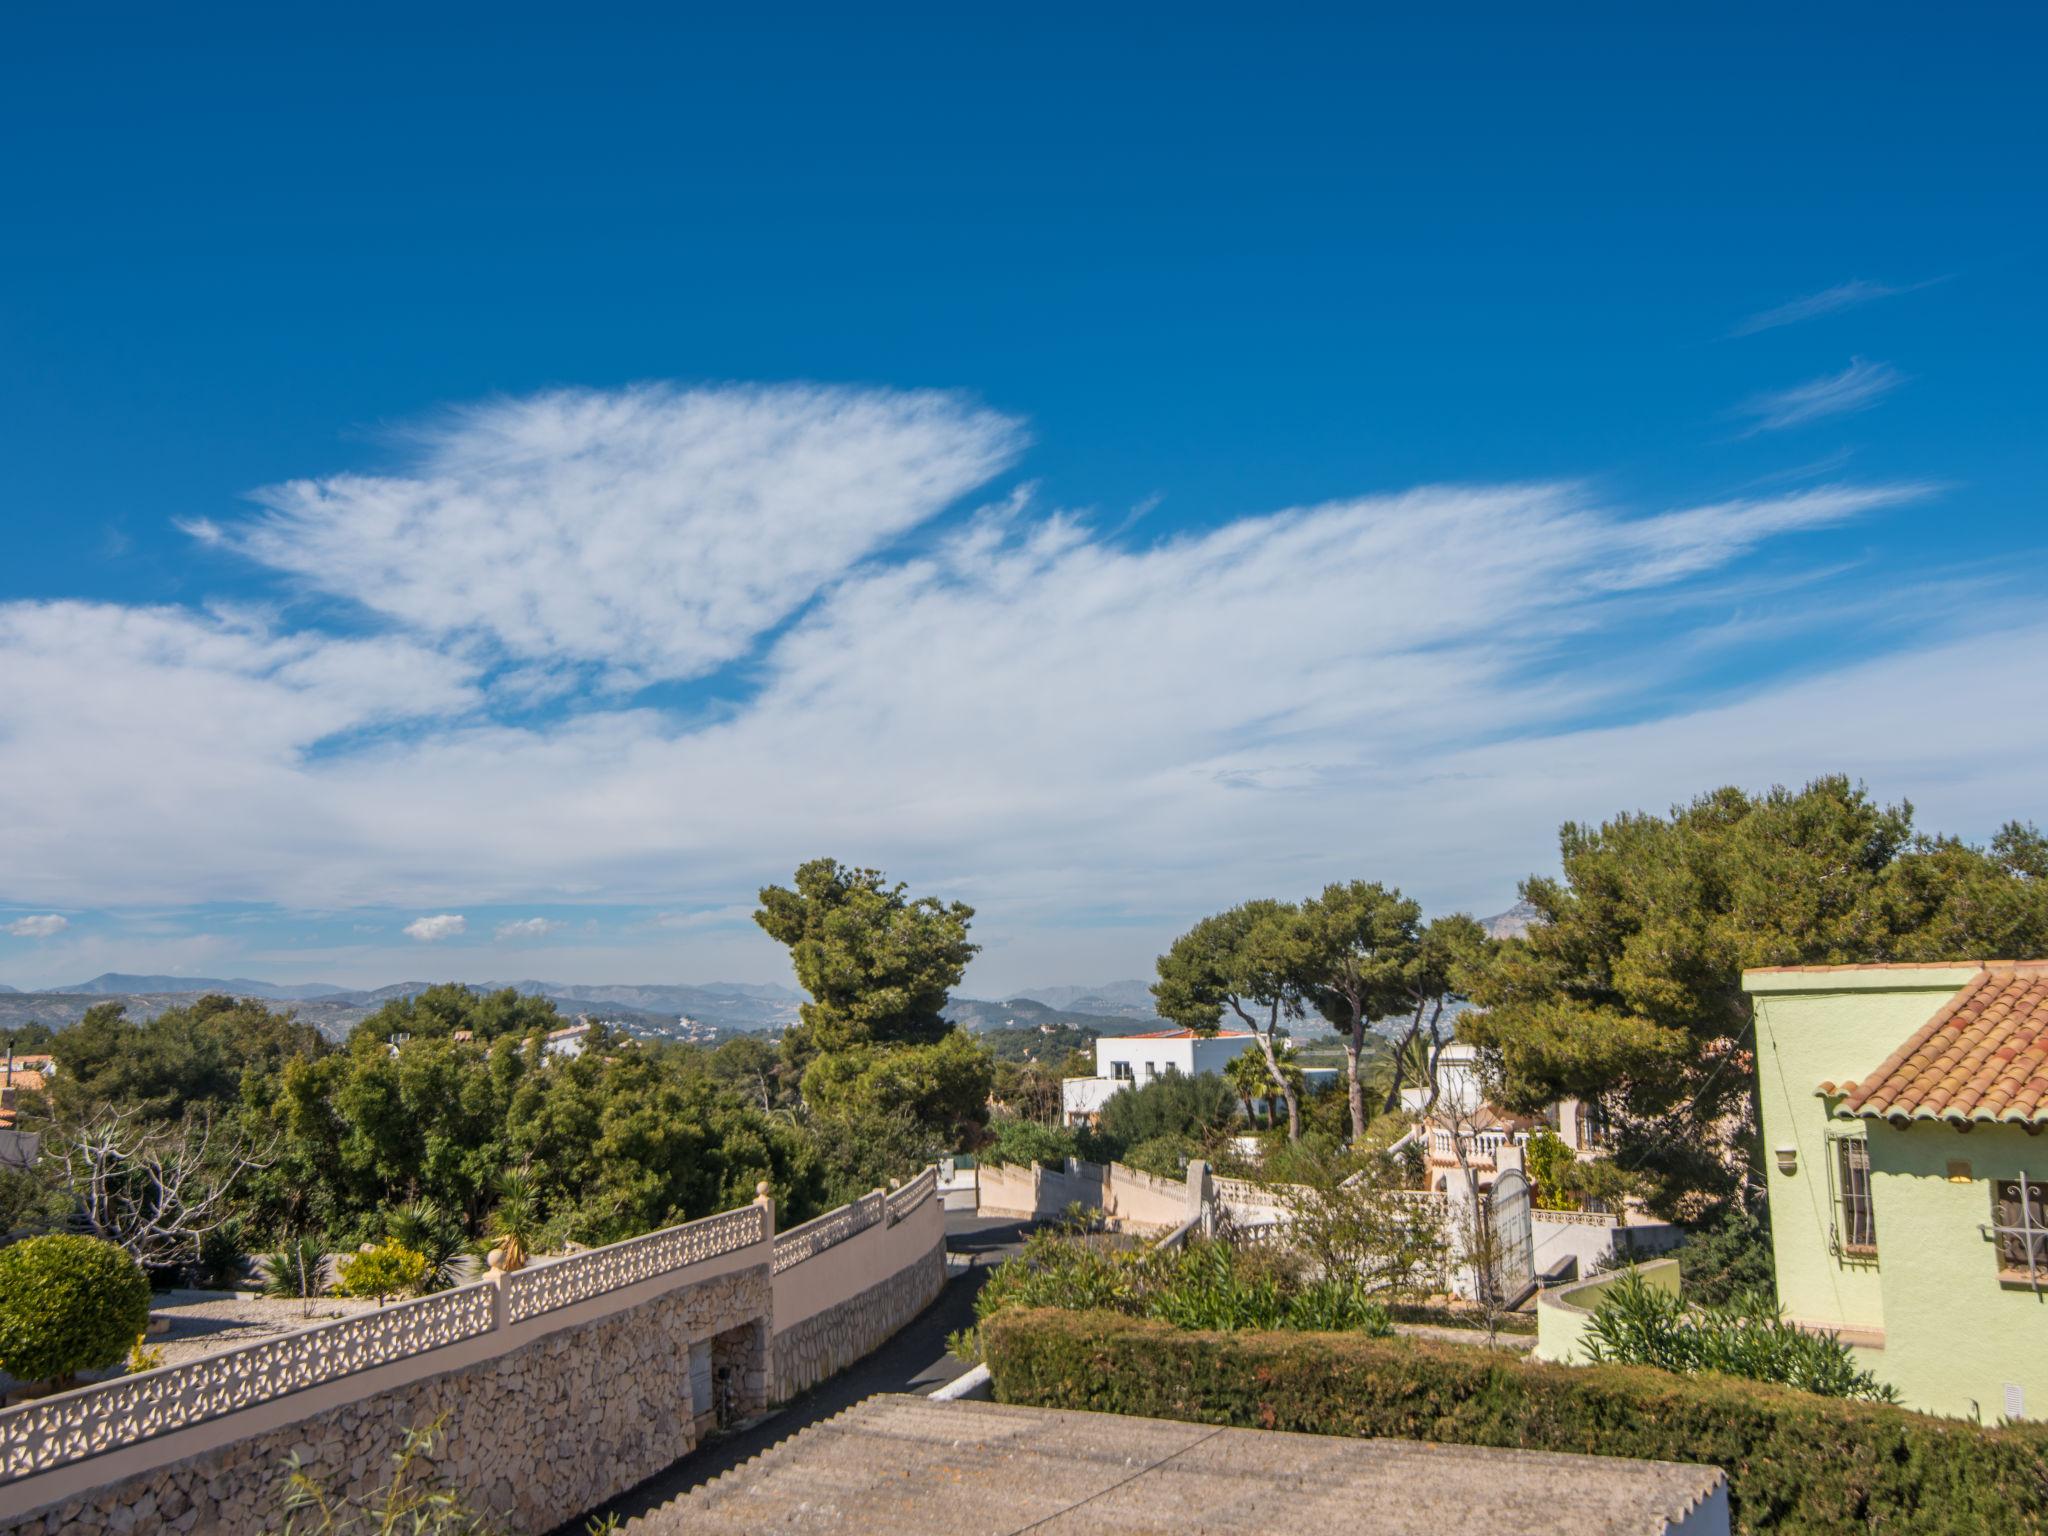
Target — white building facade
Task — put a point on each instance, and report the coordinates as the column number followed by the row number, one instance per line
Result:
column 1131, row 1061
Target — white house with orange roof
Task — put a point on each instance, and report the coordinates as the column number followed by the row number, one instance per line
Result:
column 1129, row 1061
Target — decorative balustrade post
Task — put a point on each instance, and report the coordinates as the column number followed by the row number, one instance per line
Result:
column 764, row 1197
column 501, row 1297
column 1201, row 1195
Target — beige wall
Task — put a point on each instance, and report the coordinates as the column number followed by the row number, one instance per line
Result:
column 1139, row 1199
column 864, row 1260
column 544, row 1422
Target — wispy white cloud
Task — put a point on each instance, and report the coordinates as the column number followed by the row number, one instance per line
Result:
column 431, row 930
column 1855, row 388
column 650, row 533
column 38, row 926
column 1849, row 295
column 1042, row 717
column 525, row 928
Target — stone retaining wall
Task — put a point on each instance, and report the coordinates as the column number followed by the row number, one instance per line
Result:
column 536, row 1435
column 825, row 1344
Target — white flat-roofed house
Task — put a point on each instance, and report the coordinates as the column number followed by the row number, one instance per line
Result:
column 1131, row 1061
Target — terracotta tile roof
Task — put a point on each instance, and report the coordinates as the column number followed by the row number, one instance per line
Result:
column 1982, row 1057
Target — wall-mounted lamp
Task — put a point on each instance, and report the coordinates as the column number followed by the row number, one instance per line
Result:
column 1788, row 1159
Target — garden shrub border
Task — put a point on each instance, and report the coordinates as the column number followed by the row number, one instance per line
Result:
column 1795, row 1462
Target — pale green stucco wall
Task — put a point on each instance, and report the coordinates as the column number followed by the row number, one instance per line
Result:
column 1957, row 1338
column 1953, row 1337
column 1563, row 1312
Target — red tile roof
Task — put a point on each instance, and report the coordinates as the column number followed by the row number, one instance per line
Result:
column 1982, row 1057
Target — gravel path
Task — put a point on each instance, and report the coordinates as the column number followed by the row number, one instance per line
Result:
column 201, row 1328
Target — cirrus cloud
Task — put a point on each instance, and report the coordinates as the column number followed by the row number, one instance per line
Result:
column 1075, row 729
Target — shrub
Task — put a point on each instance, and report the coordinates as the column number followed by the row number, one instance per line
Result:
column 427, row 1230
column 68, row 1304
column 1173, row 1105
column 1727, row 1258
column 1637, row 1324
column 1027, row 1141
column 1164, row 1157
column 1795, row 1462
column 389, row 1269
column 297, row 1270
column 1203, row 1284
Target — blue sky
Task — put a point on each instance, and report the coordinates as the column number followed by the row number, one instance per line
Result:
column 559, row 472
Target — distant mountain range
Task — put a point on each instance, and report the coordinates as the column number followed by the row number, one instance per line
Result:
column 650, row 1011
column 1511, row 924
column 653, row 1011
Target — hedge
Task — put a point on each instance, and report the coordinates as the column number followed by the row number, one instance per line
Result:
column 1795, row 1462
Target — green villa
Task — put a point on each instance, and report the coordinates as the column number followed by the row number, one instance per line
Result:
column 1902, row 1107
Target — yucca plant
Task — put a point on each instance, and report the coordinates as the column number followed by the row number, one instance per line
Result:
column 517, row 1219
column 426, row 1229
column 297, row 1269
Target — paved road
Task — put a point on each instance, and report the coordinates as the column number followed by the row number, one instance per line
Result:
column 915, row 1360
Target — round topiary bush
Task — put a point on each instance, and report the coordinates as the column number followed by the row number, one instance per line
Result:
column 68, row 1304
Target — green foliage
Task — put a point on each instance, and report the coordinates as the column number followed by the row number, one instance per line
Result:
column 1174, row 1105
column 1202, row 1284
column 414, row 1501
column 213, row 1051
column 1795, row 1462
column 387, row 1269
column 1728, row 1256
column 878, row 965
column 1025, row 1088
column 437, row 1012
column 297, row 1269
column 1637, row 1324
column 1628, row 989
column 1026, row 1142
column 1549, row 1162
column 424, row 1228
column 944, row 1084
column 68, row 1304
column 1164, row 1157
column 32, row 1199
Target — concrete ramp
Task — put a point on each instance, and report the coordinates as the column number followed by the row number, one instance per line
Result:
column 914, row 1467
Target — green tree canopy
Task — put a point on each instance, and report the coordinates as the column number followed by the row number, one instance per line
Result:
column 1358, row 942
column 1627, row 990
column 878, row 965
column 1248, row 961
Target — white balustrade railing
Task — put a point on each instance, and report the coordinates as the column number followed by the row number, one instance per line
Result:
column 54, row 1431
column 564, row 1282
column 73, row 1426
column 829, row 1230
column 1578, row 1218
column 907, row 1199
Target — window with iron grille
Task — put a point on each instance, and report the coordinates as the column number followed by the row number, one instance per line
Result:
column 2019, row 1224
column 1859, row 1216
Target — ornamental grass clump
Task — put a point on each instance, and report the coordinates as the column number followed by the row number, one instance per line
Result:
column 1637, row 1324
column 68, row 1304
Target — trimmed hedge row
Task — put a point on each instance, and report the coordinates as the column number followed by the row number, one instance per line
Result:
column 1795, row 1462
